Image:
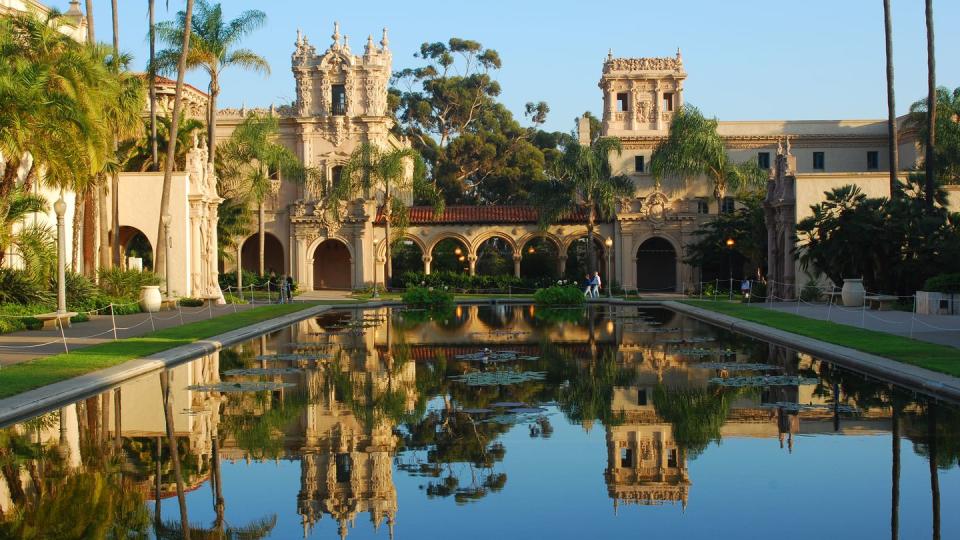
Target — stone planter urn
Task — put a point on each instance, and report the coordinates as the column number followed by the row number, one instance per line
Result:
column 150, row 299
column 852, row 292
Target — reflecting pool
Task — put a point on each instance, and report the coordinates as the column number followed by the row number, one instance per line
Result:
column 490, row 422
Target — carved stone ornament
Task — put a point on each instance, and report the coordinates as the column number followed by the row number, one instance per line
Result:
column 626, row 205
column 299, row 208
column 655, row 205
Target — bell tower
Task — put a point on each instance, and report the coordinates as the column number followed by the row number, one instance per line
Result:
column 640, row 95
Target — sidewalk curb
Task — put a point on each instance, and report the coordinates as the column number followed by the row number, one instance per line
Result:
column 925, row 381
column 47, row 398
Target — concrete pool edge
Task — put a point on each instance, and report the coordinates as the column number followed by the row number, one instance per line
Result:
column 931, row 383
column 52, row 396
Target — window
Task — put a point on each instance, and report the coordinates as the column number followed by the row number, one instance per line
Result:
column 668, row 101
column 338, row 100
column 638, row 163
column 344, row 464
column 727, row 207
column 672, row 460
column 763, row 160
column 626, row 458
column 873, row 160
column 642, row 397
column 703, row 206
column 623, row 102
column 818, row 161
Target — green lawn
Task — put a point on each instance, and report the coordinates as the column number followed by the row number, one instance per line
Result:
column 931, row 356
column 43, row 371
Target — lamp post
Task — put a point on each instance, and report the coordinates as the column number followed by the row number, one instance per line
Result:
column 730, row 243
column 609, row 244
column 376, row 264
column 166, row 251
column 60, row 207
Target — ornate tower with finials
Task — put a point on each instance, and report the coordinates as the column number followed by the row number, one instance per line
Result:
column 640, row 95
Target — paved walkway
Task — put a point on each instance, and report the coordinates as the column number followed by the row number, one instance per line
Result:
column 314, row 296
column 29, row 344
column 942, row 329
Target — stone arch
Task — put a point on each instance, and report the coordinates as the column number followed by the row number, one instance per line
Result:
column 273, row 254
column 576, row 266
column 496, row 259
column 657, row 260
column 403, row 257
column 332, row 261
column 544, row 260
column 459, row 262
column 136, row 243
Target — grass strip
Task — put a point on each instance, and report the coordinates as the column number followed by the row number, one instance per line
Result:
column 32, row 374
column 931, row 356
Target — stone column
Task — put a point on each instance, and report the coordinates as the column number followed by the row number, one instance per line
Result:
column 195, row 279
column 426, row 264
column 631, row 106
column 213, row 268
column 516, row 264
column 657, row 108
column 472, row 260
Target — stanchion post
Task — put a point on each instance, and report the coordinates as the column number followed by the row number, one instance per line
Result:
column 153, row 326
column 269, row 299
column 62, row 334
column 180, row 311
column 863, row 313
column 833, row 289
column 913, row 315
column 113, row 321
column 210, row 307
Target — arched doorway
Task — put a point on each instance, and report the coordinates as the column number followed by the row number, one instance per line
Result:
column 405, row 256
column 450, row 255
column 656, row 266
column 494, row 257
column 136, row 244
column 577, row 263
column 331, row 266
column 540, row 259
column 272, row 255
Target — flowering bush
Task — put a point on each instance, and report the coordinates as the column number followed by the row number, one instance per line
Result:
column 566, row 295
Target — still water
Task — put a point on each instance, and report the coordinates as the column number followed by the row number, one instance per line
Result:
column 490, row 422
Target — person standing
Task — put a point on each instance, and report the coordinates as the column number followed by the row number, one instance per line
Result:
column 596, row 285
column 587, row 286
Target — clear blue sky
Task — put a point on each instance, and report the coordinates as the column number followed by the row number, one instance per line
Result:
column 745, row 59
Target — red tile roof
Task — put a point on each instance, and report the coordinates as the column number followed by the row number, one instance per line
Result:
column 420, row 215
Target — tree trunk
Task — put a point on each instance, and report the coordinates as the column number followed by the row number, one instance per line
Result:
column 891, row 101
column 160, row 257
column 591, row 249
column 931, row 109
column 171, row 439
column 114, row 258
column 77, row 229
column 104, row 249
column 91, row 223
column 388, row 271
column 158, row 481
column 91, row 37
column 934, row 477
column 895, row 466
column 155, row 163
column 239, row 266
column 218, row 503
column 260, row 234
column 212, row 121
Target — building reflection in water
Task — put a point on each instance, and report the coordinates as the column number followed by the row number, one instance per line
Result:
column 361, row 404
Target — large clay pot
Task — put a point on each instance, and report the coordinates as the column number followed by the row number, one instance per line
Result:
column 150, row 299
column 853, row 292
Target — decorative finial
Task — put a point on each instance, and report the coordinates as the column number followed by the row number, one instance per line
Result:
column 679, row 56
column 299, row 37
column 370, row 48
column 336, row 34
column 346, row 42
column 384, row 41
column 609, row 54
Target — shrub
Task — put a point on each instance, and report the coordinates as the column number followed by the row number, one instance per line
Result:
column 190, row 302
column 126, row 283
column 231, row 298
column 427, row 298
column 944, row 283
column 19, row 287
column 758, row 292
column 15, row 323
column 559, row 296
column 809, row 292
column 551, row 315
column 466, row 282
column 82, row 294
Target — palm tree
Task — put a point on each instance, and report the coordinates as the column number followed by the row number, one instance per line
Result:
column 929, row 158
column 214, row 49
column 34, row 243
column 171, row 438
column 160, row 257
column 891, row 101
column 694, row 148
column 584, row 180
column 371, row 168
column 256, row 165
column 141, row 150
column 946, row 154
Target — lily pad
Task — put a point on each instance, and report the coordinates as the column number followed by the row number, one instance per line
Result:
column 262, row 371
column 764, row 380
column 292, row 357
column 508, row 404
column 499, row 378
column 738, row 366
column 797, row 407
column 245, row 386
